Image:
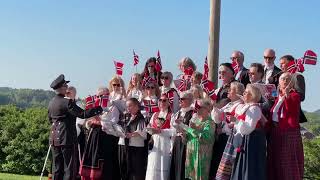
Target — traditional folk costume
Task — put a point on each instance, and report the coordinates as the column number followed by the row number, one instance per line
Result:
column 132, row 152
column 223, row 116
column 173, row 98
column 199, row 150
column 100, row 155
column 150, row 105
column 135, row 93
column 249, row 143
column 177, row 169
column 159, row 157
column 285, row 148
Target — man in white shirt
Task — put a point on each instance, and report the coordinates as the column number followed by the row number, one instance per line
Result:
column 271, row 72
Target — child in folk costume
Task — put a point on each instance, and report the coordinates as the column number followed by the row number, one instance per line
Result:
column 285, row 148
column 200, row 138
column 135, row 87
column 249, row 139
column 223, row 116
column 179, row 120
column 159, row 157
column 198, row 94
column 132, row 151
column 117, row 89
column 166, row 80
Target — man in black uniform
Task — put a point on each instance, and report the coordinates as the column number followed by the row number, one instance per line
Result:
column 62, row 114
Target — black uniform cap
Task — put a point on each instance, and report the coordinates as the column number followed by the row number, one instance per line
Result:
column 58, row 82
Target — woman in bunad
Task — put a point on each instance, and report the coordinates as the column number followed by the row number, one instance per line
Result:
column 159, row 157
column 150, row 99
column 132, row 154
column 249, row 139
column 135, row 89
column 117, row 89
column 187, row 67
column 94, row 160
column 198, row 95
column 179, row 120
column 150, row 71
column 200, row 138
column 166, row 80
column 285, row 149
column 223, row 116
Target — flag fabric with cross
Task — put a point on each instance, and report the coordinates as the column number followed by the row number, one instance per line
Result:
column 102, row 100
column 135, row 58
column 118, row 65
column 158, row 66
column 310, row 57
column 208, row 87
column 151, row 106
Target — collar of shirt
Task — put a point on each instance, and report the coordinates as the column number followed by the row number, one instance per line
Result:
column 266, row 67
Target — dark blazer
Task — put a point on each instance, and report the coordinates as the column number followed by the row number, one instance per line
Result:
column 274, row 79
column 244, row 77
column 62, row 114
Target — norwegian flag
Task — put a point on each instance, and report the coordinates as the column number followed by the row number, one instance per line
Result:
column 135, row 58
column 90, row 102
column 296, row 66
column 151, row 106
column 147, row 79
column 158, row 66
column 310, row 57
column 206, row 69
column 208, row 87
column 118, row 65
column 235, row 66
column 102, row 100
column 183, row 84
column 188, row 72
column 170, row 96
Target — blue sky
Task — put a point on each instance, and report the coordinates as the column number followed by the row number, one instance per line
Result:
column 42, row 39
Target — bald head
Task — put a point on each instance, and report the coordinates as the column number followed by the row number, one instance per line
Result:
column 269, row 56
column 237, row 56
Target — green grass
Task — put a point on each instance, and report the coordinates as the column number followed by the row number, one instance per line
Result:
column 5, row 176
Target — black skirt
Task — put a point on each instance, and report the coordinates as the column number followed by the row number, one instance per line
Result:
column 133, row 162
column 250, row 162
column 178, row 159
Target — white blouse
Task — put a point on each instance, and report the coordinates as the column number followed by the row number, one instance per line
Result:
column 252, row 115
column 137, row 141
column 275, row 111
column 136, row 93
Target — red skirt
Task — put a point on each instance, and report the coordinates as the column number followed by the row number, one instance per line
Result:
column 285, row 155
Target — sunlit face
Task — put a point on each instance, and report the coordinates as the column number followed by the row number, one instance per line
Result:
column 232, row 93
column 184, row 102
column 284, row 64
column 70, row 93
column 195, row 81
column 269, row 57
column 132, row 108
column 163, row 103
column 203, row 111
column 236, row 56
column 151, row 67
column 151, row 89
column 254, row 75
column 134, row 80
column 116, row 85
column 247, row 96
column 284, row 81
column 166, row 80
column 225, row 74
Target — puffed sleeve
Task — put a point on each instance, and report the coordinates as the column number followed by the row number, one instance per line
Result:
column 141, row 129
column 253, row 115
column 217, row 115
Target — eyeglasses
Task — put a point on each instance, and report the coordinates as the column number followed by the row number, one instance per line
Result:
column 165, row 77
column 116, row 85
column 182, row 99
column 163, row 100
column 268, row 57
column 150, row 87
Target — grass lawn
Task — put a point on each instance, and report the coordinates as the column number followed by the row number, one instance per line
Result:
column 5, row 176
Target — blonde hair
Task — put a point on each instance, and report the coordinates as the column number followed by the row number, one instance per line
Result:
column 199, row 89
column 239, row 87
column 131, row 85
column 102, row 90
column 255, row 92
column 121, row 82
column 72, row 88
column 291, row 83
column 156, row 89
column 187, row 62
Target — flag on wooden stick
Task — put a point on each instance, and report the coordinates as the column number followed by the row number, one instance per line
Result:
column 118, row 65
column 158, row 66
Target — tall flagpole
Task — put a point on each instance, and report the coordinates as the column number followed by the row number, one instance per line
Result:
column 214, row 33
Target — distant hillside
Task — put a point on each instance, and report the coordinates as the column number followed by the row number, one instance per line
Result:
column 313, row 123
column 25, row 98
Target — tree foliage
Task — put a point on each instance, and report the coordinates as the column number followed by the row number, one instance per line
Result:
column 311, row 159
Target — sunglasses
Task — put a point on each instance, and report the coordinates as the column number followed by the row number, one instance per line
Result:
column 267, row 57
column 116, row 85
column 150, row 87
column 163, row 100
column 233, row 58
column 150, row 65
column 252, row 73
column 165, row 77
column 182, row 99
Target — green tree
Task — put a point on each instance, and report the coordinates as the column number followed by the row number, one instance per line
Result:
column 311, row 159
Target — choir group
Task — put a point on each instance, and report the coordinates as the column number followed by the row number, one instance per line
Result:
column 161, row 128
